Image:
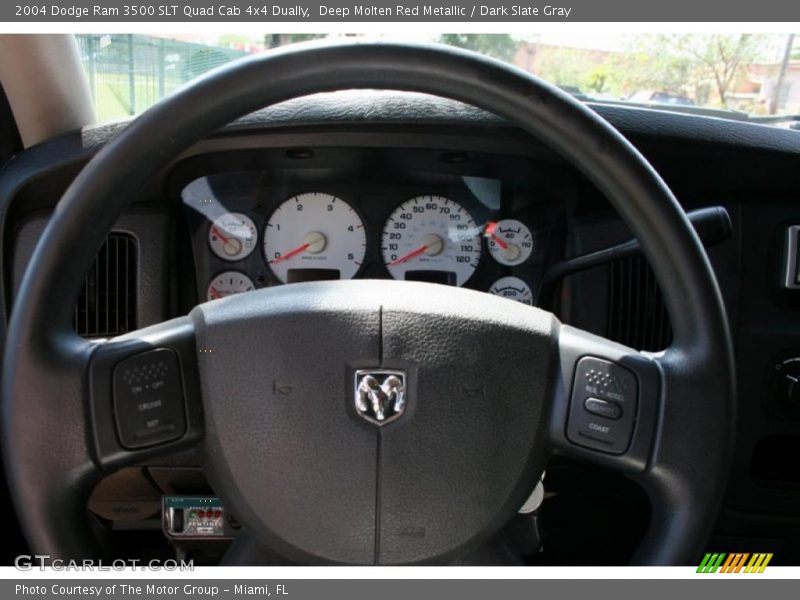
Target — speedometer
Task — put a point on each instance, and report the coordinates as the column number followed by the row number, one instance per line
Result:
column 314, row 236
column 431, row 238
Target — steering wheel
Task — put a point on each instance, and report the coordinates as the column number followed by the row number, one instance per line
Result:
column 272, row 385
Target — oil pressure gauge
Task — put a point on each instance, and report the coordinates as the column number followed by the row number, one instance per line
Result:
column 232, row 236
column 228, row 283
column 510, row 241
column 512, row 288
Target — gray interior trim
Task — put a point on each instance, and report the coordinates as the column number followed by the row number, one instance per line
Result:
column 45, row 85
column 790, row 279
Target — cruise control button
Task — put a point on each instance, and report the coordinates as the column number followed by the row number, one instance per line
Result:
column 148, row 399
column 603, row 408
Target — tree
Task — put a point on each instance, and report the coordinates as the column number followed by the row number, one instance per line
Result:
column 498, row 45
column 649, row 63
column 724, row 58
column 598, row 78
column 571, row 68
column 695, row 64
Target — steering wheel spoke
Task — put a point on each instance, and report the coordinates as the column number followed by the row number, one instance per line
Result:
column 144, row 394
column 606, row 402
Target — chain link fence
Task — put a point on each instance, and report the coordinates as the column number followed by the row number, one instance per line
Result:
column 127, row 73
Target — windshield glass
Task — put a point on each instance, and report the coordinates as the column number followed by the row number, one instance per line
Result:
column 737, row 76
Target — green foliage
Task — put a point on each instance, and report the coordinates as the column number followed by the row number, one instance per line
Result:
column 566, row 67
column 597, row 80
column 498, row 45
column 706, row 67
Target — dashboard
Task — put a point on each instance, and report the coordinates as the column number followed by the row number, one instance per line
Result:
column 225, row 218
column 440, row 217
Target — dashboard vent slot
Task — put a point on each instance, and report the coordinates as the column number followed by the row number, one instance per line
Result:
column 637, row 316
column 107, row 304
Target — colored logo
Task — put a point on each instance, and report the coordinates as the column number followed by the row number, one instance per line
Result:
column 738, row 562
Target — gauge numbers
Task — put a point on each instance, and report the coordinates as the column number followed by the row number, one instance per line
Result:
column 510, row 241
column 431, row 238
column 228, row 283
column 314, row 236
column 512, row 288
column 232, row 236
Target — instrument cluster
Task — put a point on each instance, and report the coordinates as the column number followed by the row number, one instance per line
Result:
column 249, row 234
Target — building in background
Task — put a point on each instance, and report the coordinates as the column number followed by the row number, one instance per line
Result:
column 762, row 82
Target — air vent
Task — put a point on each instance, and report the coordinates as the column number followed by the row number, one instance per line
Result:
column 637, row 316
column 107, row 304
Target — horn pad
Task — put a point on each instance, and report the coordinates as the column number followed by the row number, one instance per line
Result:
column 290, row 451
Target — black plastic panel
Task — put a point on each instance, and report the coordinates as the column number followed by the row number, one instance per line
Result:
column 603, row 406
column 115, row 438
column 148, row 399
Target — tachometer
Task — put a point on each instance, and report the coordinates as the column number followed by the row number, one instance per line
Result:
column 431, row 238
column 232, row 236
column 314, row 236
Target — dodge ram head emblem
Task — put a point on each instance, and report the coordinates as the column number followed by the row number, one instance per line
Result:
column 380, row 395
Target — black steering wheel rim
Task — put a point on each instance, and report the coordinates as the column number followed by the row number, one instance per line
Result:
column 694, row 434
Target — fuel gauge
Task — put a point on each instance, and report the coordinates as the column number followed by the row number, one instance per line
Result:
column 512, row 288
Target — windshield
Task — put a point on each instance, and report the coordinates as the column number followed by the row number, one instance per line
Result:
column 738, row 76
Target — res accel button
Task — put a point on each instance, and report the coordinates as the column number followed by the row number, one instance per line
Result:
column 148, row 399
column 603, row 408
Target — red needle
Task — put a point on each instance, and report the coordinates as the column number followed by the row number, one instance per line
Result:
column 490, row 227
column 289, row 255
column 216, row 232
column 408, row 256
column 214, row 293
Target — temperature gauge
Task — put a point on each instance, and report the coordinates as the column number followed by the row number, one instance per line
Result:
column 232, row 236
column 229, row 283
column 512, row 288
column 510, row 241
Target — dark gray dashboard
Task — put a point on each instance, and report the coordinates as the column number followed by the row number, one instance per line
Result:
column 376, row 149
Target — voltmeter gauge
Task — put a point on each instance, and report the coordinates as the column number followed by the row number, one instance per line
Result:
column 512, row 288
column 510, row 241
column 229, row 283
column 232, row 236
